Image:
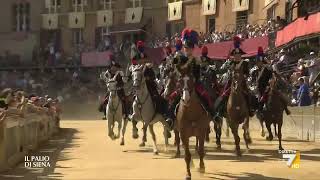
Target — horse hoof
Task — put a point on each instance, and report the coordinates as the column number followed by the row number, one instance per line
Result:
column 188, row 178
column 142, row 144
column 280, row 148
column 156, row 153
column 238, row 153
column 269, row 138
column 135, row 136
column 219, row 147
column 122, row 143
column 202, row 170
column 263, row 134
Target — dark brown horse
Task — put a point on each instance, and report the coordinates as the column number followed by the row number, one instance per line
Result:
column 274, row 113
column 237, row 108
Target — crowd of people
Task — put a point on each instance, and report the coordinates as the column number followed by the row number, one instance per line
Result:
column 18, row 102
column 244, row 32
column 63, row 84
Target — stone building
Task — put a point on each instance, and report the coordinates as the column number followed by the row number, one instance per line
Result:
column 68, row 25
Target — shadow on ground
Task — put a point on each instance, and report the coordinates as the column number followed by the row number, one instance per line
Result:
column 243, row 176
column 53, row 148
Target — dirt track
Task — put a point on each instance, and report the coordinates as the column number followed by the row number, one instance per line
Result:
column 83, row 151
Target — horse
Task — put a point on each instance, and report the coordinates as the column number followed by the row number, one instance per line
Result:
column 192, row 120
column 114, row 110
column 144, row 110
column 274, row 113
column 237, row 108
column 210, row 83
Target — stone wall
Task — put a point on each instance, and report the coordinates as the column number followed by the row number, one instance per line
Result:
column 21, row 133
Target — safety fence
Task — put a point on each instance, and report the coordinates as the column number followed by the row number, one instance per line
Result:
column 303, row 123
column 22, row 133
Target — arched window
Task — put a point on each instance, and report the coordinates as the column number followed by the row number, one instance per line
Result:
column 21, row 17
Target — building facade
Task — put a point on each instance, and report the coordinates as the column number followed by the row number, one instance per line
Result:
column 69, row 24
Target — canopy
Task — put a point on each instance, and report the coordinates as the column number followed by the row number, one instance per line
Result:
column 299, row 28
column 218, row 51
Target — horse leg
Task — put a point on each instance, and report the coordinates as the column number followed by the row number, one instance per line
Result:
column 135, row 134
column 234, row 129
column 187, row 156
column 217, row 129
column 262, row 128
column 247, row 131
column 125, row 122
column 201, row 153
column 119, row 128
column 280, row 135
column 110, row 129
column 166, row 139
column 227, row 130
column 144, row 138
column 275, row 129
column 177, row 140
column 155, row 148
column 207, row 134
column 270, row 137
column 197, row 143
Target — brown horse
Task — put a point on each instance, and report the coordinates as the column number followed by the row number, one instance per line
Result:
column 274, row 113
column 192, row 120
column 237, row 108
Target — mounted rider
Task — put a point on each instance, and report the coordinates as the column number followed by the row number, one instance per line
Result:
column 159, row 102
column 110, row 73
column 187, row 62
column 265, row 74
column 237, row 53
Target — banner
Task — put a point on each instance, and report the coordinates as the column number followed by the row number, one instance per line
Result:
column 104, row 18
column 270, row 2
column 240, row 5
column 133, row 15
column 76, row 20
column 175, row 11
column 50, row 21
column 48, row 3
column 209, row 7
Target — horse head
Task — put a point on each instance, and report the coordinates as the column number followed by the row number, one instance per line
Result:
column 138, row 76
column 188, row 86
column 170, row 85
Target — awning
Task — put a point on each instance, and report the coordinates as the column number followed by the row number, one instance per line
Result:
column 299, row 28
column 126, row 28
column 216, row 51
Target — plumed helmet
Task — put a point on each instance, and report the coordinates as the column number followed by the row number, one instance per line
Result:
column 178, row 45
column 189, row 38
column 237, row 44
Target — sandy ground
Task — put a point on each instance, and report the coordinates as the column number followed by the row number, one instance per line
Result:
column 82, row 150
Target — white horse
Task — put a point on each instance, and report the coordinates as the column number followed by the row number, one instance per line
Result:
column 114, row 109
column 143, row 109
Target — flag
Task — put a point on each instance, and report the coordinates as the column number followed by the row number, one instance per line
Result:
column 50, row 21
column 48, row 3
column 174, row 11
column 105, row 18
column 209, row 7
column 133, row 15
column 76, row 20
column 240, row 5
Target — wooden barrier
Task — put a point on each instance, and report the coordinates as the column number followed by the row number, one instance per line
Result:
column 22, row 134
